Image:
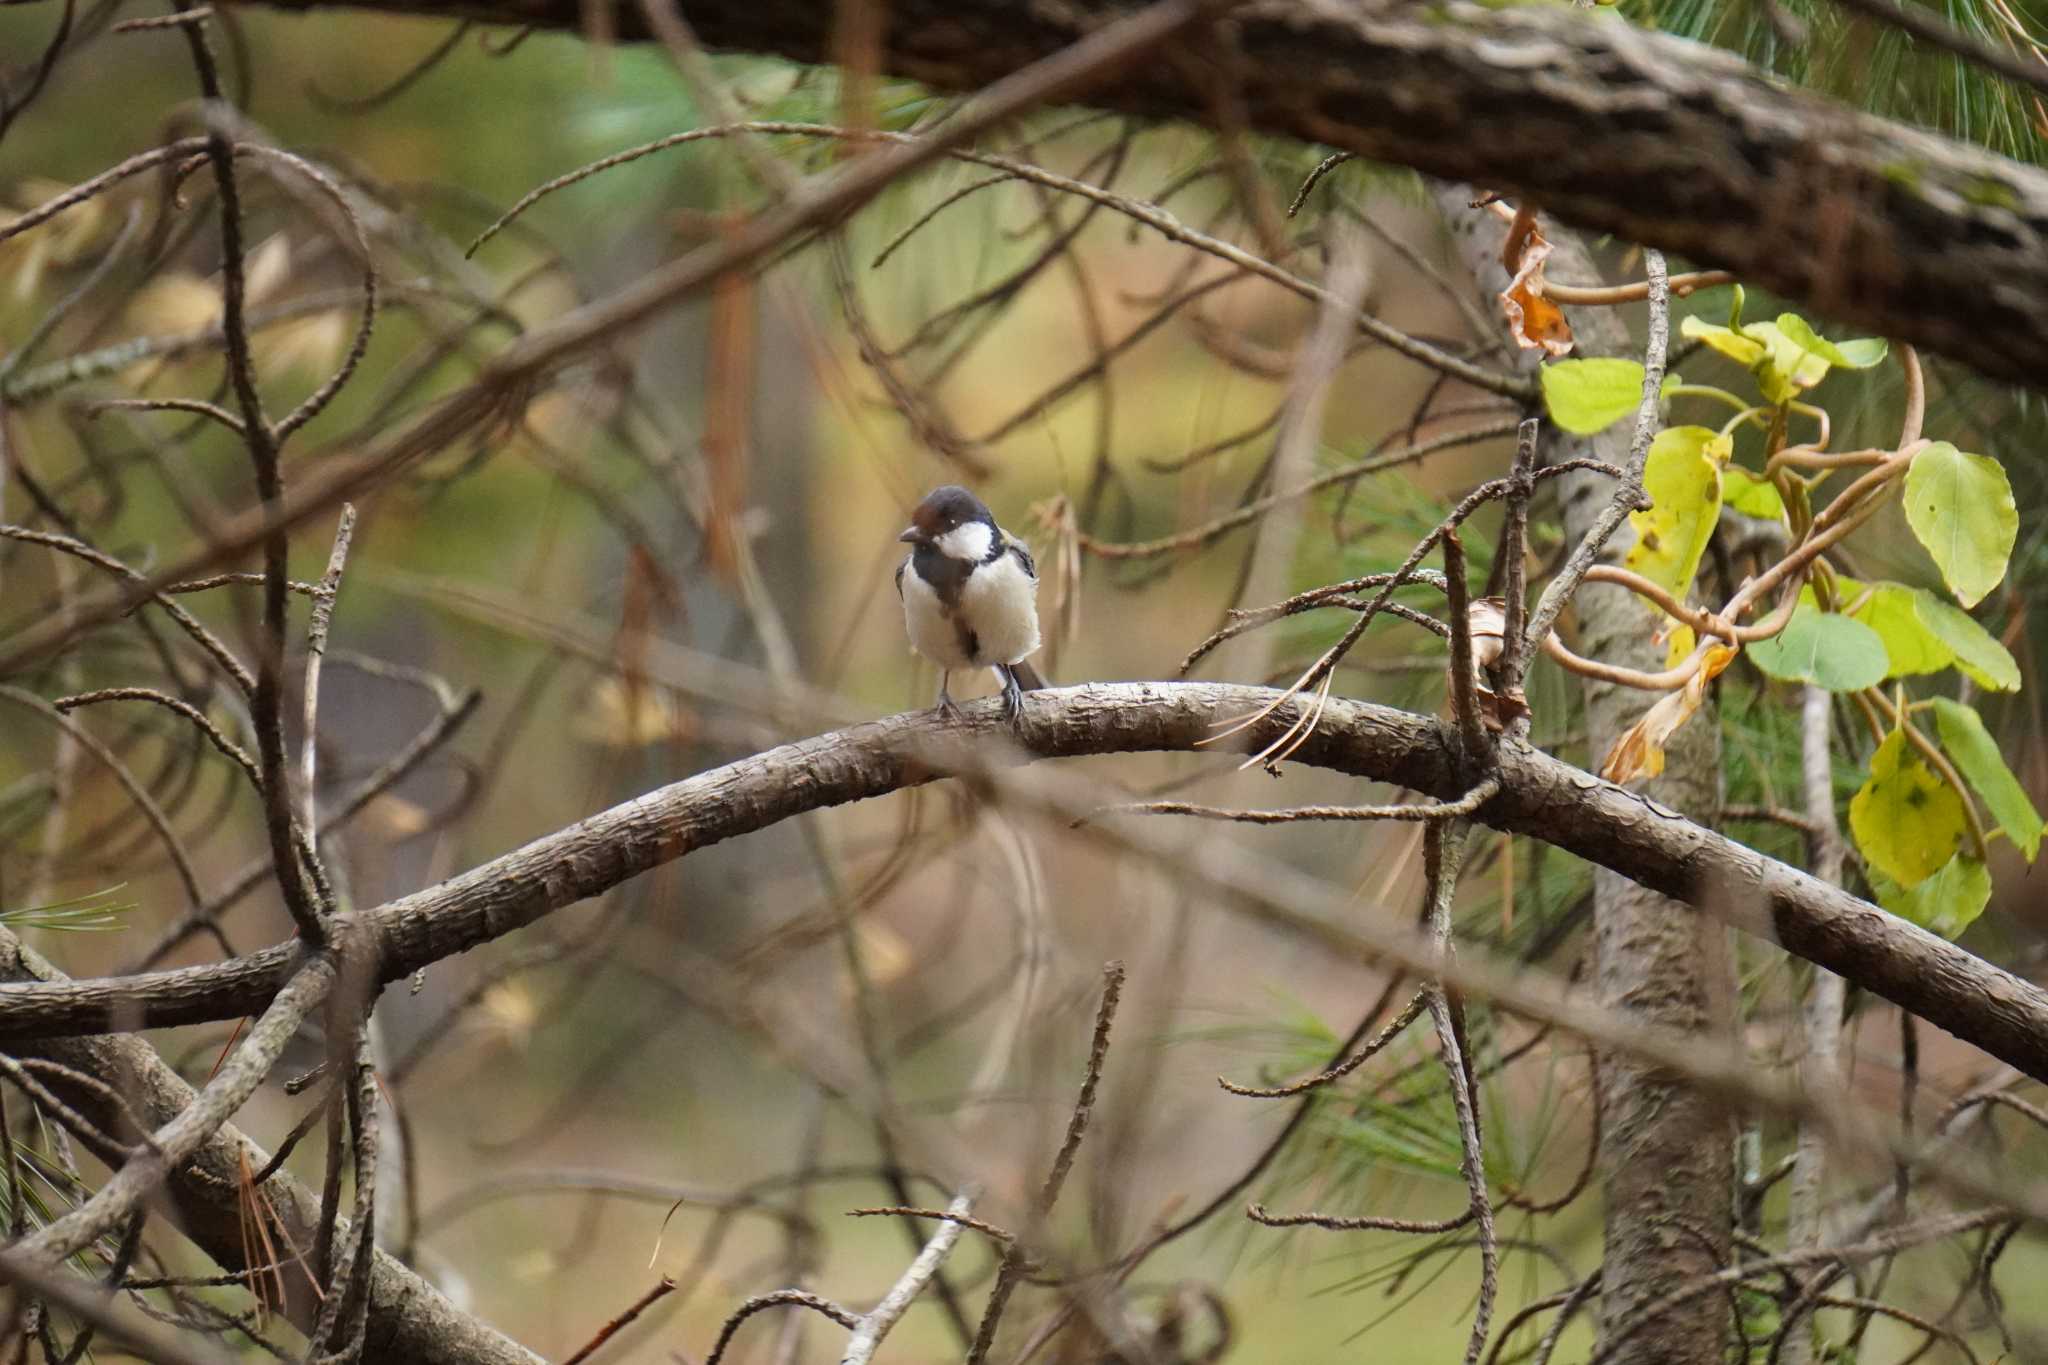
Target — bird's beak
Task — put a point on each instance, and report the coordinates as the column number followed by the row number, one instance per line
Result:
column 911, row 536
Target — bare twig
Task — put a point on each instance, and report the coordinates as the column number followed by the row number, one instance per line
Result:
column 662, row 1289
column 316, row 650
column 1049, row 1192
column 873, row 1326
column 1443, row 853
column 175, row 1141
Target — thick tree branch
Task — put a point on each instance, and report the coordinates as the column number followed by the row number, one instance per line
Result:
column 1539, row 796
column 409, row 1319
column 1659, row 140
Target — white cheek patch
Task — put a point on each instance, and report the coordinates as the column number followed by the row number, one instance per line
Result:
column 970, row 542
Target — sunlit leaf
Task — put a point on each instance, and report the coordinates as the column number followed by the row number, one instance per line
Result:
column 1788, row 368
column 1824, row 648
column 1682, row 475
column 1585, row 396
column 1640, row 750
column 1976, row 651
column 1726, row 340
column 1945, row 903
column 1907, row 821
column 1975, row 753
column 1860, row 354
column 1961, row 507
column 1751, row 495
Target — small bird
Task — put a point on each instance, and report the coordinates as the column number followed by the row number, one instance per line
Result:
column 970, row 595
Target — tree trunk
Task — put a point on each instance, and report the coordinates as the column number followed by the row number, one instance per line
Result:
column 1667, row 1151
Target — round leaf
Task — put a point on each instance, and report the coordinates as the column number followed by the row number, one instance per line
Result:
column 1585, row 396
column 1907, row 821
column 1893, row 611
column 1977, row 652
column 1976, row 753
column 1944, row 903
column 1823, row 648
column 1962, row 509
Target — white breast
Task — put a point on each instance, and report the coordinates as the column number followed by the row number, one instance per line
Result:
column 931, row 634
column 1001, row 602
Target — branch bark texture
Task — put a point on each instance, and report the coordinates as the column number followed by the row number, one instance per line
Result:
column 409, row 1320
column 1659, row 140
column 1540, row 796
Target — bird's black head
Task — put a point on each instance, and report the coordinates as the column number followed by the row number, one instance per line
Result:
column 946, row 508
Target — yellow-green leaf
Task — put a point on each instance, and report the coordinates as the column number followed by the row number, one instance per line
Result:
column 1907, row 821
column 1893, row 611
column 1787, row 369
column 1945, row 903
column 1726, row 340
column 1682, row 475
column 1750, row 495
column 1585, row 396
column 1976, row 755
column 1961, row 507
column 1824, row 648
column 1852, row 355
column 1975, row 650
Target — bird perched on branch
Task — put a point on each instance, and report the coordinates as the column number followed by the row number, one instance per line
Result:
column 970, row 595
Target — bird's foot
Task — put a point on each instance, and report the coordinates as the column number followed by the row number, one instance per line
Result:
column 946, row 706
column 1013, row 699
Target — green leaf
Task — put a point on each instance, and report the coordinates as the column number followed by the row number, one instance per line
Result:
column 1977, row 652
column 1976, row 754
column 1945, row 903
column 1726, row 340
column 1751, row 495
column 1962, row 509
column 1850, row 355
column 1824, row 648
column 1907, row 821
column 1585, row 396
column 1788, row 368
column 1682, row 475
column 1893, row 611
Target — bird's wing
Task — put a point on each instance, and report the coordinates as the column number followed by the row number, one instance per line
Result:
column 1023, row 555
column 899, row 578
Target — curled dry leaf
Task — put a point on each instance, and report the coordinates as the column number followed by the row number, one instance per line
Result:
column 1640, row 751
column 1533, row 319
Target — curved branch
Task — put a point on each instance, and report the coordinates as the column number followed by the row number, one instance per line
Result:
column 1661, row 141
column 1539, row 796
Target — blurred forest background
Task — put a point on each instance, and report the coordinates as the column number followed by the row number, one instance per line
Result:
column 681, row 552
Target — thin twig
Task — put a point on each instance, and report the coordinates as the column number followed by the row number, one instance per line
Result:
column 1048, row 1194
column 1443, row 852
column 868, row 1333
column 662, row 1288
column 316, row 650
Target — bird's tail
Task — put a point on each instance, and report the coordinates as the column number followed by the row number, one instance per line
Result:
column 1028, row 677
